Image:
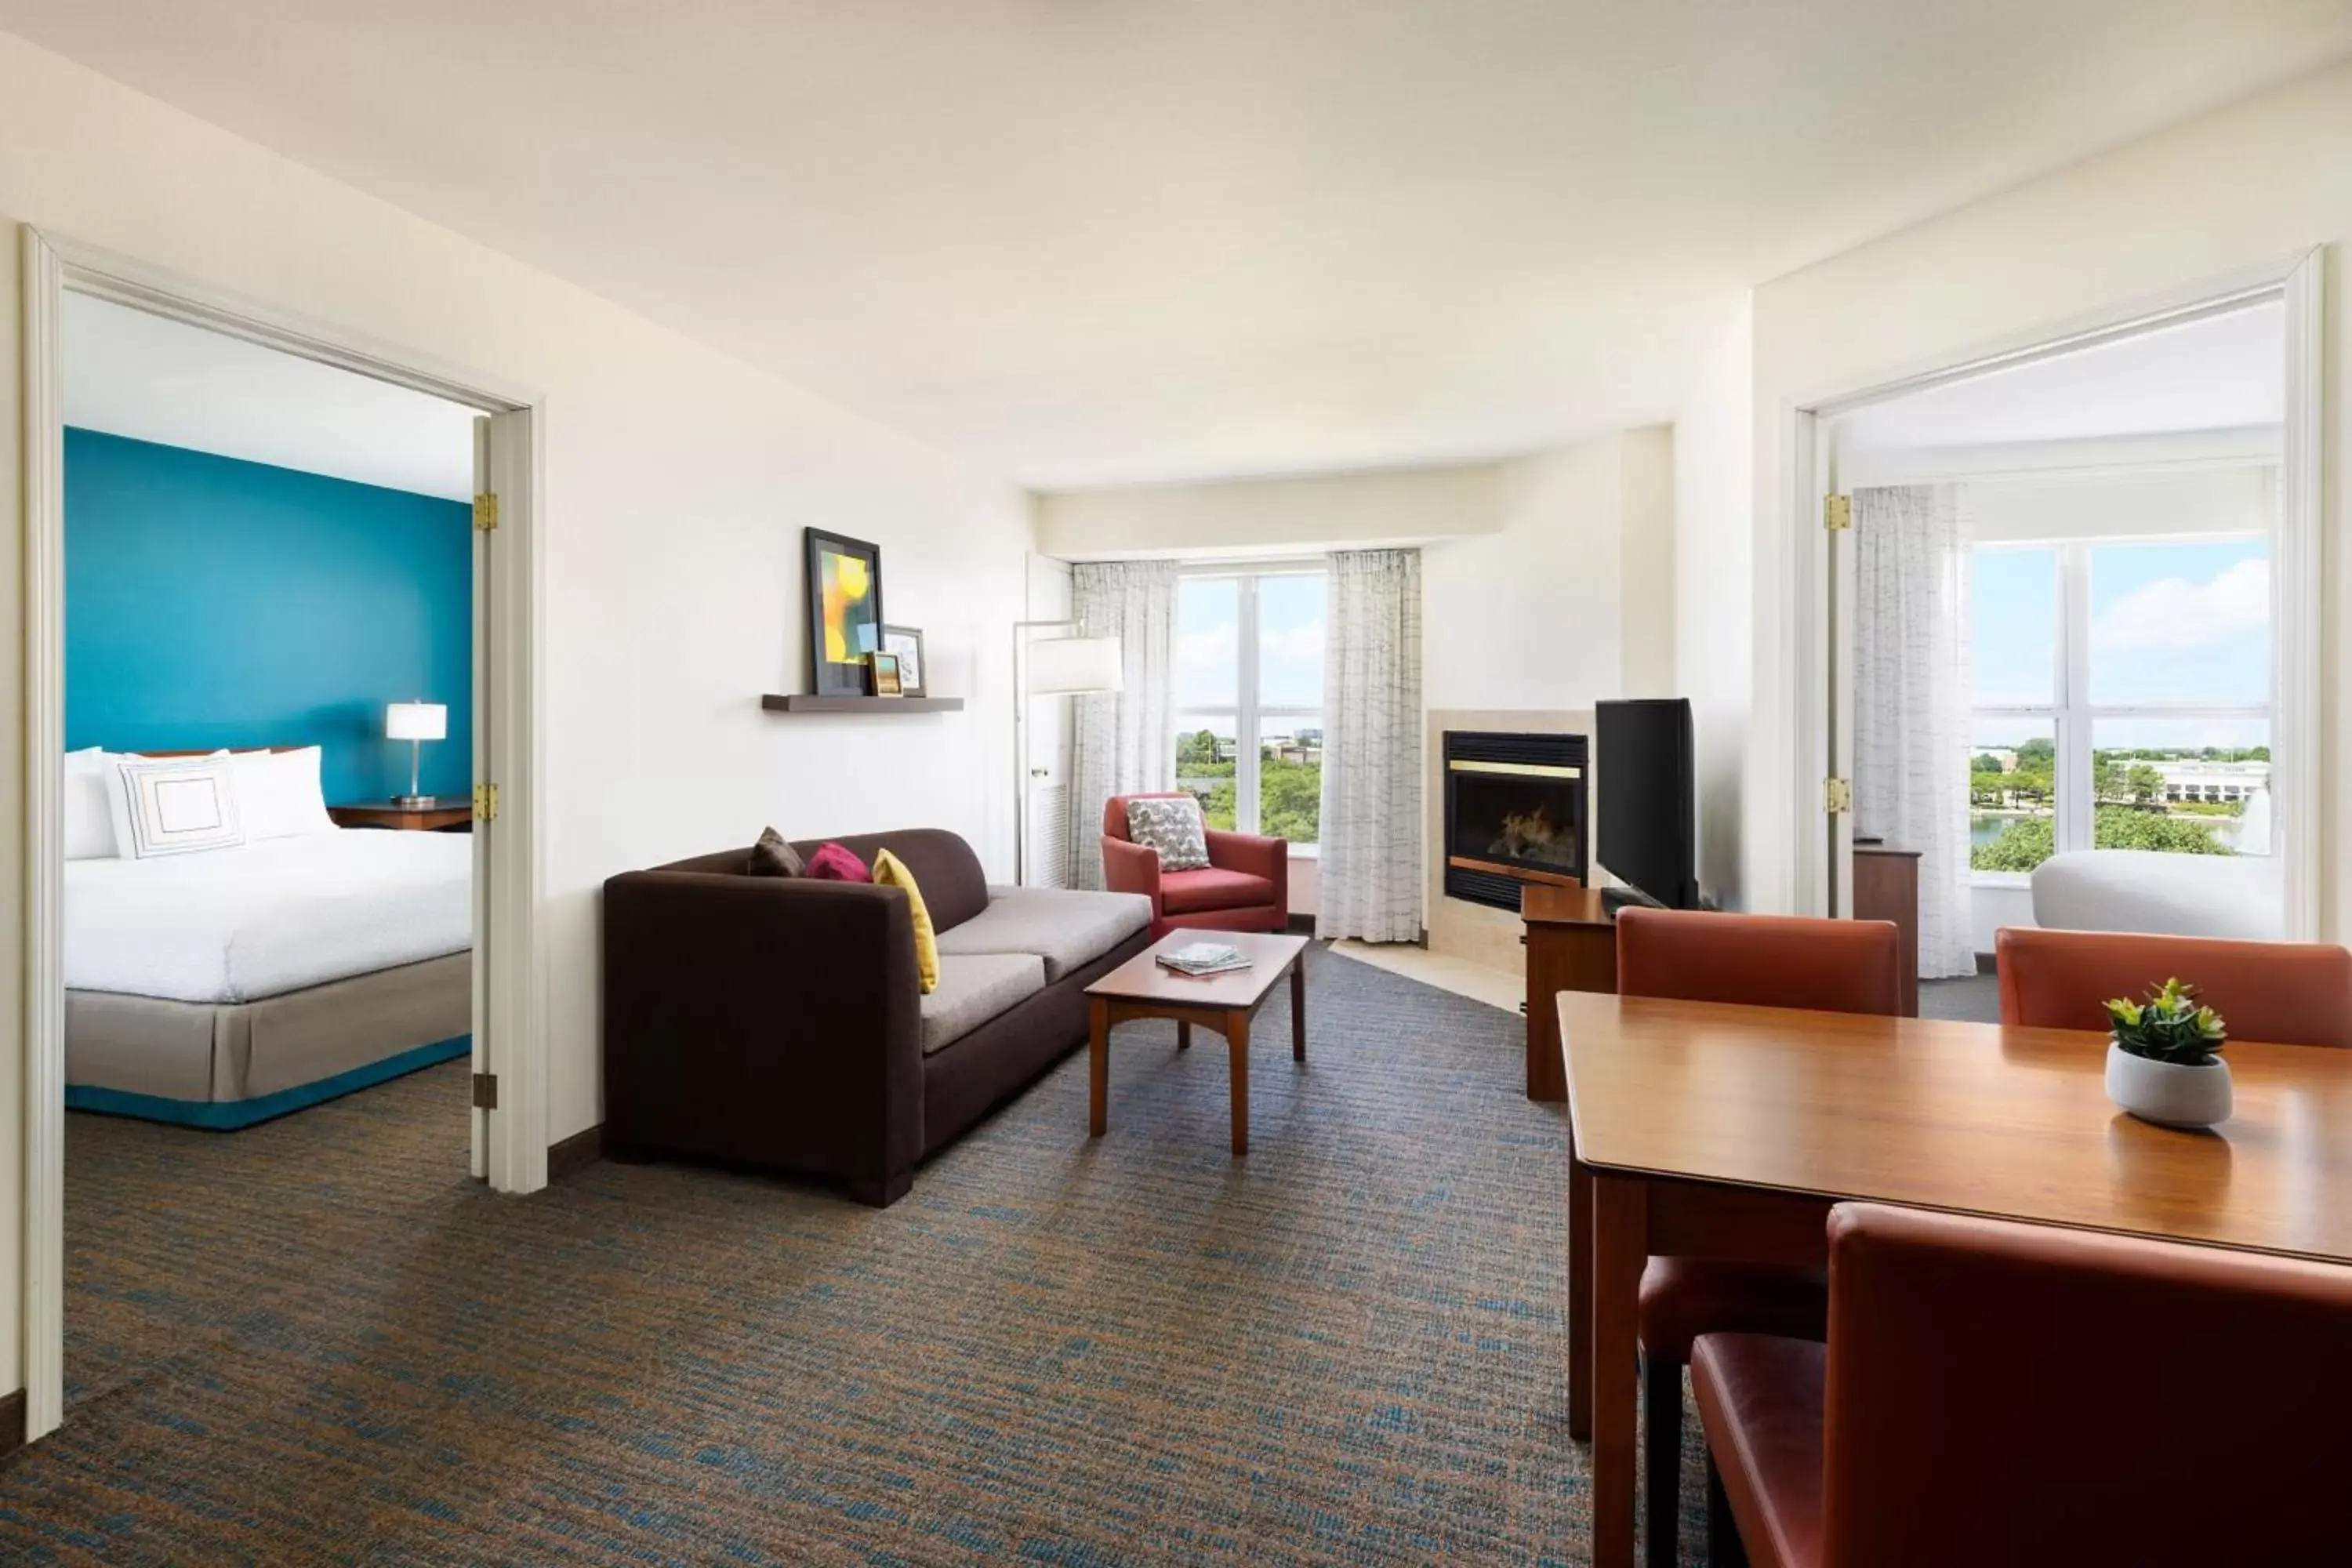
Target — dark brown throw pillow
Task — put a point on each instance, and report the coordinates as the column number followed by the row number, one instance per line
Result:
column 773, row 856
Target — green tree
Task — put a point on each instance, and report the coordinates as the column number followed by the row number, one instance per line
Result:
column 2037, row 756
column 1986, row 762
column 1193, row 750
column 2028, row 841
column 1291, row 800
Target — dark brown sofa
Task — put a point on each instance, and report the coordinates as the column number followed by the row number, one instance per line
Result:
column 778, row 1021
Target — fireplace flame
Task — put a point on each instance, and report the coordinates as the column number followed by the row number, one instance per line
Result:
column 1525, row 833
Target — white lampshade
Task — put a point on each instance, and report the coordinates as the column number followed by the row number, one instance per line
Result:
column 1071, row 666
column 415, row 722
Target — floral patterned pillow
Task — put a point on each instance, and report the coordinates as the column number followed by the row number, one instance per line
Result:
column 1174, row 827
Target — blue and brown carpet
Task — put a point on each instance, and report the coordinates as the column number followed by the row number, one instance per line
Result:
column 317, row 1341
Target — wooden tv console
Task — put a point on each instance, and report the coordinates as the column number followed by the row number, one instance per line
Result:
column 1572, row 942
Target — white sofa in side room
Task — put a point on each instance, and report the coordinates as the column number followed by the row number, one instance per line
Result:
column 2239, row 896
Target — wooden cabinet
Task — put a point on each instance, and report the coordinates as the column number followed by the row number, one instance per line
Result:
column 1571, row 940
column 1887, row 888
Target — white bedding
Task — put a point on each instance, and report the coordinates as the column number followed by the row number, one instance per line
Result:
column 236, row 925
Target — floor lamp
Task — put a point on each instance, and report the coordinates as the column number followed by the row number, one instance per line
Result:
column 1068, row 666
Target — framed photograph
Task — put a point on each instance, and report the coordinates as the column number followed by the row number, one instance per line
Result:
column 844, row 612
column 907, row 643
column 885, row 667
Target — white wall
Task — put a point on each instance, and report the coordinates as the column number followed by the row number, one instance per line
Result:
column 1318, row 513
column 678, row 482
column 1713, row 606
column 2263, row 179
column 1645, row 562
column 1535, row 615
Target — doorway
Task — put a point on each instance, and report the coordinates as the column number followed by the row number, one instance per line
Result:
column 2158, row 467
column 508, row 1048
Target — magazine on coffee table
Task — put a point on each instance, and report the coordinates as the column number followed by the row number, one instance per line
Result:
column 1204, row 958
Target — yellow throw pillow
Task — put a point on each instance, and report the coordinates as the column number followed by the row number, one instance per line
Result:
column 891, row 872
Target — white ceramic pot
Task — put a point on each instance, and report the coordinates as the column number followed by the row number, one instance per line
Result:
column 2169, row 1094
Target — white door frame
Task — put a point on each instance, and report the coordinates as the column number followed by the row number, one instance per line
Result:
column 507, row 856
column 2299, row 680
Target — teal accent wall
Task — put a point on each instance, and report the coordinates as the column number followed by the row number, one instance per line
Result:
column 211, row 602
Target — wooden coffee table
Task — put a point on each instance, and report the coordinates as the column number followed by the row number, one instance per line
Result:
column 1140, row 988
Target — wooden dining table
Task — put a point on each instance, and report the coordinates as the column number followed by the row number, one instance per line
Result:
column 1705, row 1130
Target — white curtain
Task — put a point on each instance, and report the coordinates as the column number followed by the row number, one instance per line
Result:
column 1123, row 742
column 1911, row 701
column 1371, row 869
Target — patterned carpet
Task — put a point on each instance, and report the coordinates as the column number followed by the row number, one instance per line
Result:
column 316, row 1341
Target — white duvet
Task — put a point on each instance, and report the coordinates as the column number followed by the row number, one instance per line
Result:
column 236, row 925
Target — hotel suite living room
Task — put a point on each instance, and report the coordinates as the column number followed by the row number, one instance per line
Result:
column 1380, row 784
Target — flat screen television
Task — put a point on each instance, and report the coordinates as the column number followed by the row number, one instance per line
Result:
column 1644, row 790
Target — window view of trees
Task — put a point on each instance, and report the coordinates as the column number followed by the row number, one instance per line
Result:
column 1249, row 682
column 2142, row 798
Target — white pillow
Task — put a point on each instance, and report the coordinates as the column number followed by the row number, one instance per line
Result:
column 172, row 805
column 89, row 821
column 278, row 794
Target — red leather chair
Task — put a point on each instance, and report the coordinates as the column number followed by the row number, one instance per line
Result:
column 1767, row 961
column 1995, row 1393
column 2281, row 993
column 1244, row 887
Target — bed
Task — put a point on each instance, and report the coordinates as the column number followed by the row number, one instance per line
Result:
column 222, row 988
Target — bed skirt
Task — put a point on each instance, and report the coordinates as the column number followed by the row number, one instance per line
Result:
column 229, row 1064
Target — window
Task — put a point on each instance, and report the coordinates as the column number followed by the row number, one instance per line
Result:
column 2122, row 698
column 1249, row 697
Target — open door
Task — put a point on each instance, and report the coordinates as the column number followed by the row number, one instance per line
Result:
column 1837, row 555
column 505, row 1084
column 1047, row 741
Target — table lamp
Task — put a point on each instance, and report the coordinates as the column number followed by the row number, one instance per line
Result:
column 414, row 722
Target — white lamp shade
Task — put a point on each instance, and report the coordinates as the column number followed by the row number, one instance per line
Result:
column 1070, row 666
column 415, row 722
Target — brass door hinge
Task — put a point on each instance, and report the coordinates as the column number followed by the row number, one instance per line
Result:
column 486, row 1091
column 1837, row 796
column 485, row 512
column 486, row 803
column 1837, row 512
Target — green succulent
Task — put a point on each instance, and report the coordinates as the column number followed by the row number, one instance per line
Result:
column 2171, row 1025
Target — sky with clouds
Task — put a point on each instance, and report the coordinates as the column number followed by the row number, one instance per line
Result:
column 2172, row 623
column 1290, row 646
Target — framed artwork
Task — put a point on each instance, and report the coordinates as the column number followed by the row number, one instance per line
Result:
column 845, row 611
column 906, row 643
column 886, row 675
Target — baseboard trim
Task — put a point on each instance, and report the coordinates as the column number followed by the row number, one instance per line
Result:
column 12, row 1422
column 576, row 1153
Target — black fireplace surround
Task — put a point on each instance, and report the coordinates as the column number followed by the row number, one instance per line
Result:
column 1515, row 812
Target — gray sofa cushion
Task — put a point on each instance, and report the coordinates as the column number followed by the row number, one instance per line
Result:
column 1067, row 928
column 974, row 988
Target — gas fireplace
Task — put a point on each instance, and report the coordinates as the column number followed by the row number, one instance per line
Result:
column 1515, row 813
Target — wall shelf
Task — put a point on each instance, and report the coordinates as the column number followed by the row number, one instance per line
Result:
column 807, row 702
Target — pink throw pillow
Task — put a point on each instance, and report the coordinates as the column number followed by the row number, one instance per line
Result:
column 832, row 863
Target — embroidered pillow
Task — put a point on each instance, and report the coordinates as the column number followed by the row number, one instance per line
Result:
column 889, row 871
column 774, row 856
column 832, row 863
column 174, row 805
column 1172, row 825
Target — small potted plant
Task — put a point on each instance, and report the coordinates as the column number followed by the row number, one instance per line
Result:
column 2165, row 1063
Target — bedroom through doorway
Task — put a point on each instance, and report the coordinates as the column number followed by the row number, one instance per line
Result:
column 271, row 679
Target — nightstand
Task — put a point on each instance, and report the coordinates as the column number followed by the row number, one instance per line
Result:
column 439, row 814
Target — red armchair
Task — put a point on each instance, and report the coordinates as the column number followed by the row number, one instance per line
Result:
column 1244, row 887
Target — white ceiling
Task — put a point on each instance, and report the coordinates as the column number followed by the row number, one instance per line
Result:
column 131, row 373
column 2223, row 372
column 1108, row 241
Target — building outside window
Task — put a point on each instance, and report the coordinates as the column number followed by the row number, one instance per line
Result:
column 1249, row 695
column 2122, row 698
